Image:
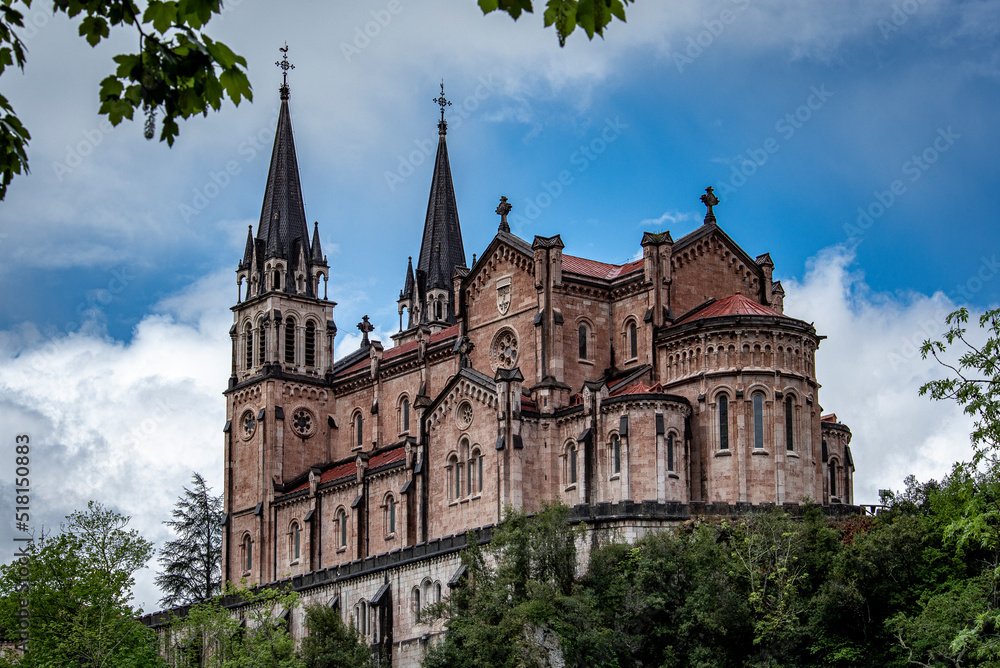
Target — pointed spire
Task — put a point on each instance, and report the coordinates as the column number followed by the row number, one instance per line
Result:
column 283, row 216
column 316, row 254
column 441, row 249
column 248, row 253
column 407, row 292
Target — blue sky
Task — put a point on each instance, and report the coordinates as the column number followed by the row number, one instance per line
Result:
column 118, row 254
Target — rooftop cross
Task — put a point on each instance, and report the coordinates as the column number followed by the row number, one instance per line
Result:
column 365, row 328
column 710, row 200
column 502, row 211
column 284, row 65
column 442, row 102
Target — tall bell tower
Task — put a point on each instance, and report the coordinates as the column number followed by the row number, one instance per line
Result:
column 278, row 403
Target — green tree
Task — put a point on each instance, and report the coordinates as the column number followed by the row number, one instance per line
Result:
column 192, row 563
column 79, row 599
column 177, row 72
column 974, row 531
column 593, row 16
column 515, row 592
column 243, row 629
column 331, row 643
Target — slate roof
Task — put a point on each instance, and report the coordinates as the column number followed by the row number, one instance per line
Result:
column 595, row 269
column 283, row 215
column 734, row 305
column 441, row 249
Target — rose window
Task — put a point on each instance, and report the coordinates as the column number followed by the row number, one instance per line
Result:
column 248, row 424
column 503, row 351
column 303, row 422
column 464, row 415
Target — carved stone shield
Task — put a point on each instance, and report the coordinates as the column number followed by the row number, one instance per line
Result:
column 503, row 295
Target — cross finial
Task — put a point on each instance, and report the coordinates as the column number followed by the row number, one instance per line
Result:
column 442, row 102
column 365, row 328
column 284, row 66
column 710, row 200
column 502, row 211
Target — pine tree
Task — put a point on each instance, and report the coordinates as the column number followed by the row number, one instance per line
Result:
column 192, row 564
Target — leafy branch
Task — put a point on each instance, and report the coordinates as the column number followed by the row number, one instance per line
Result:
column 593, row 16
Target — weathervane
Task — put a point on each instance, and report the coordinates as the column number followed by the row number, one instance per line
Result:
column 710, row 200
column 284, row 65
column 442, row 102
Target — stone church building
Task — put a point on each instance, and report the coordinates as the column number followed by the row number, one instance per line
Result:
column 639, row 394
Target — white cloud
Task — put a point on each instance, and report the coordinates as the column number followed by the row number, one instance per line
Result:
column 871, row 370
column 124, row 424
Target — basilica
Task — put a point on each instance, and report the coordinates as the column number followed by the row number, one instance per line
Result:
column 638, row 394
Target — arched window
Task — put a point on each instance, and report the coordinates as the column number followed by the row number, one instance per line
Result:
column 474, row 473
column 477, row 457
column 342, row 527
column 464, row 454
column 277, row 278
column 247, row 553
column 289, row 341
column 437, row 592
column 571, row 464
column 616, row 454
column 789, row 422
column 404, row 415
column 415, row 604
column 758, row 421
column 633, row 341
column 437, row 309
column 361, row 614
column 390, row 515
column 583, row 334
column 456, row 476
column 248, row 345
column 670, row 452
column 359, row 430
column 261, row 343
column 310, row 344
column 296, row 541
column 833, row 478
column 723, row 422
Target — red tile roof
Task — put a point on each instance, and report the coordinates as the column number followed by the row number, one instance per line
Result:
column 638, row 388
column 829, row 417
column 735, row 305
column 595, row 269
column 396, row 351
column 346, row 470
column 387, row 457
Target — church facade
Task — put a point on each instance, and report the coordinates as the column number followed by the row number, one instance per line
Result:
column 655, row 389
